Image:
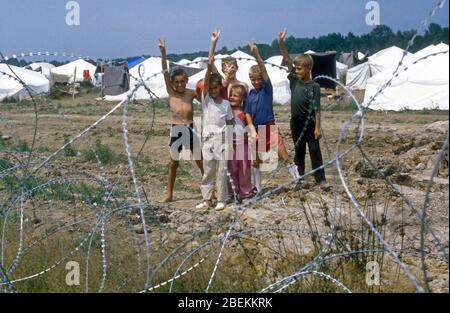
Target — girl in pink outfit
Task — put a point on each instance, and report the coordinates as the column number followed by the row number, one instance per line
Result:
column 239, row 166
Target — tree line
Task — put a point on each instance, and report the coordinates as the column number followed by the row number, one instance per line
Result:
column 379, row 38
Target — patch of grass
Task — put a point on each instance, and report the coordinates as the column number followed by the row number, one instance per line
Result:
column 90, row 194
column 340, row 106
column 69, row 151
column 104, row 153
column 5, row 164
column 2, row 141
column 185, row 169
column 160, row 104
column 10, row 100
column 424, row 111
column 12, row 182
column 60, row 191
column 43, row 149
column 22, row 146
column 14, row 103
column 162, row 169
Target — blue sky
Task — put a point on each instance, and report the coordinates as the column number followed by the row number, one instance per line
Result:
column 112, row 28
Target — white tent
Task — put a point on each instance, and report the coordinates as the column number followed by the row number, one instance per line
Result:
column 184, row 62
column 423, row 82
column 276, row 59
column 199, row 62
column 36, row 82
column 154, row 80
column 382, row 60
column 341, row 69
column 41, row 67
column 278, row 77
column 65, row 73
column 280, row 84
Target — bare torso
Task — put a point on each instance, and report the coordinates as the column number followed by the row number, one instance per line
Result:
column 181, row 108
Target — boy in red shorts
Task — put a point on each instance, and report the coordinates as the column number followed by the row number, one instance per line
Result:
column 259, row 104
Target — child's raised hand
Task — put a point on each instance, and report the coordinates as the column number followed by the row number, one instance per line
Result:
column 215, row 35
column 227, row 68
column 162, row 44
column 253, row 48
column 282, row 35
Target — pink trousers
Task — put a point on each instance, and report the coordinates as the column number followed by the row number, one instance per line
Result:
column 240, row 169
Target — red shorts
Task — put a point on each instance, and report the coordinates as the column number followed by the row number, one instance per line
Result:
column 271, row 135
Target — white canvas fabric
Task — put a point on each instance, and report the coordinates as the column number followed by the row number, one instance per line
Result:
column 44, row 68
column 276, row 59
column 382, row 60
column 200, row 62
column 280, row 83
column 422, row 83
column 244, row 66
column 184, row 62
column 65, row 73
column 341, row 70
column 36, row 82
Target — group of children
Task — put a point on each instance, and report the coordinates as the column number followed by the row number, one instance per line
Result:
column 239, row 123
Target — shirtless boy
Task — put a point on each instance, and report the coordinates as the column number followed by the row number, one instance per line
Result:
column 182, row 111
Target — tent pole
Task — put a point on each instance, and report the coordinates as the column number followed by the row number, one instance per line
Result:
column 73, row 87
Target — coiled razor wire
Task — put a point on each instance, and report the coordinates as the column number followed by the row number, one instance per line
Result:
column 236, row 215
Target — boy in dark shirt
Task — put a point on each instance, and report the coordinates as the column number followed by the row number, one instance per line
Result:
column 305, row 111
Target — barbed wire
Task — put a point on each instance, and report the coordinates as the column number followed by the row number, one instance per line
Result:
column 99, row 217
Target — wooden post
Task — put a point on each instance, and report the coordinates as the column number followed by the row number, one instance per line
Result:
column 74, row 79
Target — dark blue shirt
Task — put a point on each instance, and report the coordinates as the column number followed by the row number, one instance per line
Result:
column 259, row 104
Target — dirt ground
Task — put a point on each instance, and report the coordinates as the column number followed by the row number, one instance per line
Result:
column 402, row 145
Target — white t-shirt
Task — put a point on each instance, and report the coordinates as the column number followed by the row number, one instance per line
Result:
column 215, row 116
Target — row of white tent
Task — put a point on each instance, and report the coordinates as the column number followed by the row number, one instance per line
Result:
column 40, row 82
column 37, row 77
column 422, row 80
